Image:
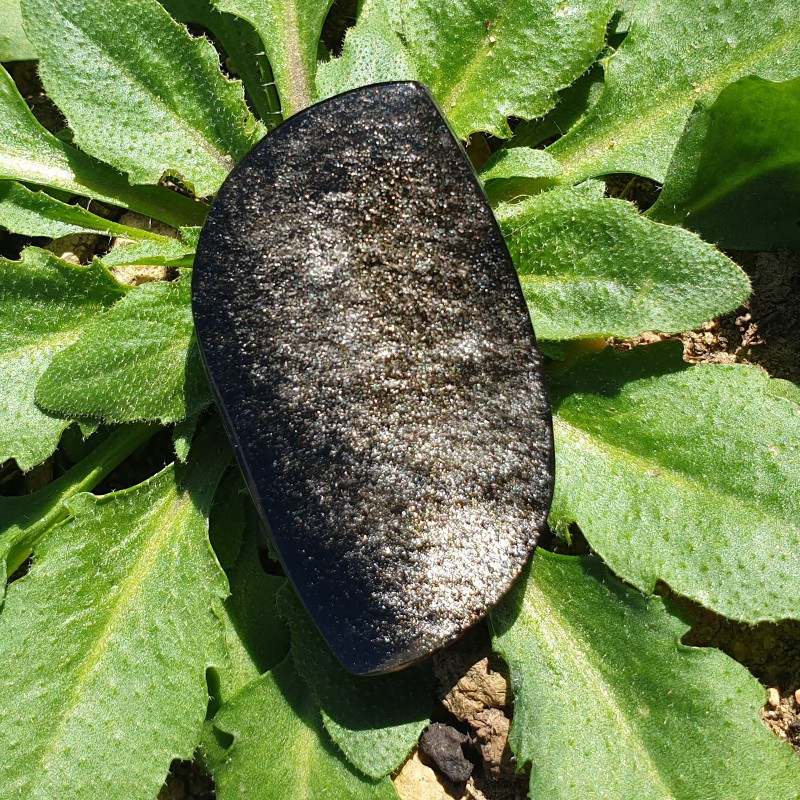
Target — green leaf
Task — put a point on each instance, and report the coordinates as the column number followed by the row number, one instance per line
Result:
column 290, row 30
column 25, row 518
column 280, row 750
column 227, row 520
column 519, row 162
column 29, row 153
column 139, row 92
column 14, row 46
column 243, row 47
column 574, row 103
column 593, row 267
column 45, row 305
column 735, row 175
column 106, row 641
column 513, row 173
column 256, row 639
column 39, row 214
column 684, row 474
column 182, row 435
column 190, row 235
column 484, row 62
column 676, row 54
column 555, row 351
column 609, row 704
column 373, row 52
column 140, row 361
column 163, row 251
column 375, row 720
column 513, row 66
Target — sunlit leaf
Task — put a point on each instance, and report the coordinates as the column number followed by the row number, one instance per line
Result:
column 39, row 214
column 675, row 54
column 14, row 45
column 140, row 361
column 108, row 674
column 45, row 305
column 608, row 704
column 242, row 46
column 484, row 62
column 290, row 30
column 594, row 267
column 31, row 154
column 686, row 475
column 139, row 92
column 735, row 175
column 25, row 518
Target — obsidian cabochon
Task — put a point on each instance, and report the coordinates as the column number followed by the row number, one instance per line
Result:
column 374, row 362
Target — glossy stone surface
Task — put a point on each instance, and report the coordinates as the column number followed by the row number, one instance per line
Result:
column 373, row 358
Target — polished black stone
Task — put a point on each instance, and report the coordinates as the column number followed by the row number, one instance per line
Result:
column 375, row 365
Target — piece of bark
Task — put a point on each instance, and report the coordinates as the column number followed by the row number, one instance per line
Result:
column 442, row 746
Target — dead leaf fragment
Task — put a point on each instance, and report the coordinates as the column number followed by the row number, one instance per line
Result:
column 491, row 727
column 481, row 687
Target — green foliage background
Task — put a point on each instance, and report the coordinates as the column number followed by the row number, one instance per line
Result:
column 132, row 641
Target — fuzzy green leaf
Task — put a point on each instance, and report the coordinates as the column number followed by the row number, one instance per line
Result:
column 735, row 175
column 608, row 704
column 373, row 52
column 520, row 162
column 140, row 361
column 676, row 54
column 139, row 92
column 106, row 641
column 256, row 639
column 29, row 153
column 45, row 305
column 14, row 45
column 243, row 48
column 484, row 62
column 684, row 474
column 39, row 214
column 280, row 750
column 163, row 251
column 513, row 173
column 182, row 435
column 376, row 721
column 290, row 30
column 593, row 267
column 574, row 103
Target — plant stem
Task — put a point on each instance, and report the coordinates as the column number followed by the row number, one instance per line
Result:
column 46, row 507
column 275, row 115
column 153, row 201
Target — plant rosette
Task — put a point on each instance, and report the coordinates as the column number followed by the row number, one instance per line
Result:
column 138, row 624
